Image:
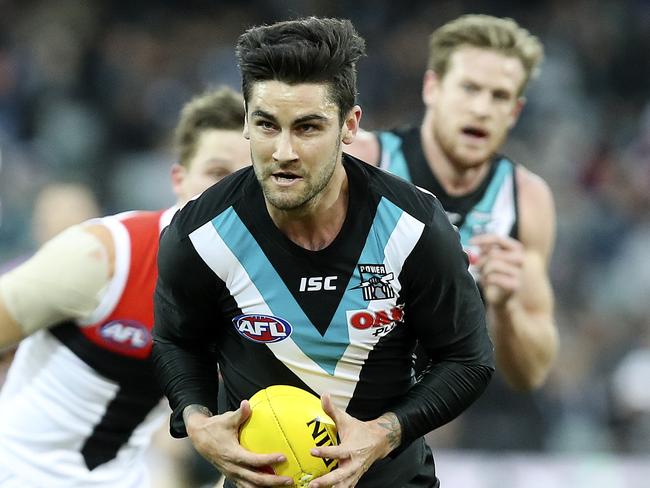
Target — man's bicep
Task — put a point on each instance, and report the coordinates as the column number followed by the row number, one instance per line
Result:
column 537, row 216
column 64, row 280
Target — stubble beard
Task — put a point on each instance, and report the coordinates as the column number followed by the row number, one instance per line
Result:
column 313, row 186
column 449, row 149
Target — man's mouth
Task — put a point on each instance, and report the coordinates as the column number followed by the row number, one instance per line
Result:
column 285, row 178
column 475, row 132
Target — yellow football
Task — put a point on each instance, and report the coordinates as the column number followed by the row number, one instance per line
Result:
column 290, row 421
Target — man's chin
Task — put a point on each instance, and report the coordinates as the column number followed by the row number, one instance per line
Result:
column 470, row 163
column 284, row 201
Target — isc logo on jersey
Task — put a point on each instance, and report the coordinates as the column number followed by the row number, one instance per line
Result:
column 126, row 333
column 262, row 328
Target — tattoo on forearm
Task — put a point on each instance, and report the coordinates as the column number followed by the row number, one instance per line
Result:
column 190, row 409
column 392, row 425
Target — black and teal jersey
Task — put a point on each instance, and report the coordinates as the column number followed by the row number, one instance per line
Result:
column 501, row 418
column 234, row 290
column 490, row 208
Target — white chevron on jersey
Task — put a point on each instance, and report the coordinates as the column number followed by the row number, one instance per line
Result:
column 341, row 385
column 503, row 212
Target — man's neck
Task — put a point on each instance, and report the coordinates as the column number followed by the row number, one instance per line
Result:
column 316, row 226
column 455, row 179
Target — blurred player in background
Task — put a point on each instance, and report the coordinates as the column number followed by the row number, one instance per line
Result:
column 478, row 69
column 80, row 403
column 57, row 206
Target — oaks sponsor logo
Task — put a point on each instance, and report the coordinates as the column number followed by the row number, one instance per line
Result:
column 126, row 333
column 377, row 322
column 262, row 328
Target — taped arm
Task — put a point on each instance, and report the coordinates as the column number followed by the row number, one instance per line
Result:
column 63, row 280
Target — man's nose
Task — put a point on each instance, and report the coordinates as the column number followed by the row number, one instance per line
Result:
column 284, row 150
column 481, row 103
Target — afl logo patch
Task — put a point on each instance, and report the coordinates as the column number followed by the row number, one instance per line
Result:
column 262, row 328
column 126, row 333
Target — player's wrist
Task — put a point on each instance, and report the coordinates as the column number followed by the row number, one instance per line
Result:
column 505, row 307
column 389, row 430
column 195, row 416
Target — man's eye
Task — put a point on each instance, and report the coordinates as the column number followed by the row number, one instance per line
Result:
column 307, row 128
column 470, row 87
column 265, row 124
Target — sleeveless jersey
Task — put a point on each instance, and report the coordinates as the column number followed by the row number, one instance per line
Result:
column 491, row 208
column 501, row 418
column 81, row 403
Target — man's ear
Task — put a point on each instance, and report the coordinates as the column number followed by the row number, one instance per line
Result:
column 430, row 85
column 351, row 125
column 516, row 111
column 246, row 134
column 178, row 173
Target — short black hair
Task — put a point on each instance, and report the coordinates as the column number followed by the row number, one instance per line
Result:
column 308, row 50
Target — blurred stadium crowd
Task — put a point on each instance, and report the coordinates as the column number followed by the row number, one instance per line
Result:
column 90, row 90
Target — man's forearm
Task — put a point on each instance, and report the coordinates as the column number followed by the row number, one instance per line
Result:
column 442, row 394
column 390, row 427
column 187, row 377
column 525, row 344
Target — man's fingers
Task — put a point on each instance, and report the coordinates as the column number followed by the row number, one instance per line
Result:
column 330, row 452
column 242, row 413
column 499, row 254
column 338, row 477
column 495, row 240
column 329, row 408
column 248, row 477
column 501, row 267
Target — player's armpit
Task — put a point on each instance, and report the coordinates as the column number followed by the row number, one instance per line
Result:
column 63, row 280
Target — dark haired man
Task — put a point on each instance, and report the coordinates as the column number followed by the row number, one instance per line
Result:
column 386, row 266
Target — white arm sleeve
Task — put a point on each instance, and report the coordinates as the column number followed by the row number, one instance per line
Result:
column 64, row 280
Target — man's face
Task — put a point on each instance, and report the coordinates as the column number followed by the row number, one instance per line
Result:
column 295, row 135
column 475, row 104
column 218, row 153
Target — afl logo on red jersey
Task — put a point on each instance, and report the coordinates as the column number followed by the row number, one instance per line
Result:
column 262, row 328
column 126, row 334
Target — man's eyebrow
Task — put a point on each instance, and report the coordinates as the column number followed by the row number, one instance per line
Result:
column 263, row 114
column 299, row 120
column 310, row 118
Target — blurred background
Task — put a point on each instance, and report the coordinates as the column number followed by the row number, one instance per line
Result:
column 90, row 90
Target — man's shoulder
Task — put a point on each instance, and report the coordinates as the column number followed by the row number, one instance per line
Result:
column 536, row 209
column 416, row 201
column 529, row 181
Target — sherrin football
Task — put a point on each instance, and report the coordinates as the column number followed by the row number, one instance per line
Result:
column 291, row 421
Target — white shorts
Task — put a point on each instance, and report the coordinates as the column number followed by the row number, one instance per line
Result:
column 9, row 480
